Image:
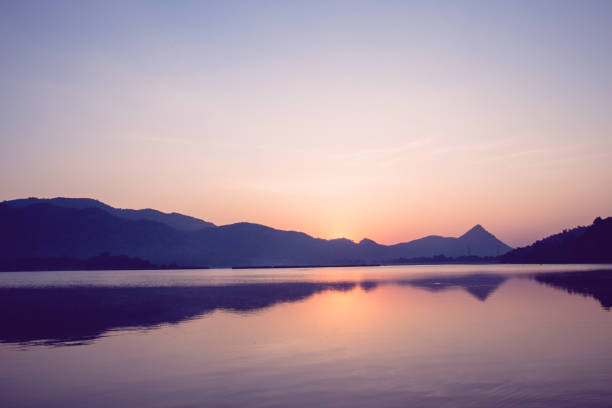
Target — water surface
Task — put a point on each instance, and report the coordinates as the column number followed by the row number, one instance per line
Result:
column 419, row 336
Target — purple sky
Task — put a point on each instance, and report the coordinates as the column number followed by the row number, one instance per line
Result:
column 385, row 119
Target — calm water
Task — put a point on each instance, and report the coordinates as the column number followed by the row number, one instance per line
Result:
column 417, row 336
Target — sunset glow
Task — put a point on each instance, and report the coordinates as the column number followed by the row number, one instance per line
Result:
column 390, row 121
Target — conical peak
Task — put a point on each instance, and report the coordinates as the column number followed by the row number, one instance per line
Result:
column 476, row 230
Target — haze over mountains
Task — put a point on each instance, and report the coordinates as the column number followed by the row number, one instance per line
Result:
column 84, row 228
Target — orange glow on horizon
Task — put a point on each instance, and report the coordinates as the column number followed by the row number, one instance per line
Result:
column 328, row 125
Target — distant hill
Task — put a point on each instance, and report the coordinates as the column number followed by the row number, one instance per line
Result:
column 84, row 228
column 175, row 220
column 477, row 241
column 592, row 244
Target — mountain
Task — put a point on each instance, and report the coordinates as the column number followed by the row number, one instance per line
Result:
column 592, row 244
column 46, row 230
column 477, row 241
column 104, row 261
column 481, row 242
column 84, row 228
column 175, row 220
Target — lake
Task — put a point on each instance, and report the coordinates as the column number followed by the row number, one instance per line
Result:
column 398, row 336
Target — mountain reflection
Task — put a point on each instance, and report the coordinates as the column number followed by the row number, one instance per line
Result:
column 595, row 284
column 61, row 316
column 77, row 315
column 480, row 286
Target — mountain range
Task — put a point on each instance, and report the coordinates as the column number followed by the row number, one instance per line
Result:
column 175, row 220
column 82, row 228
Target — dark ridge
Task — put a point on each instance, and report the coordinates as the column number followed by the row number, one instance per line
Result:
column 34, row 228
column 174, row 220
column 591, row 244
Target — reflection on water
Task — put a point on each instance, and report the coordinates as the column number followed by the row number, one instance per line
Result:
column 380, row 336
column 596, row 284
column 478, row 285
column 73, row 315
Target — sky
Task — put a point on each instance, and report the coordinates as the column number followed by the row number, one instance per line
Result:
column 390, row 120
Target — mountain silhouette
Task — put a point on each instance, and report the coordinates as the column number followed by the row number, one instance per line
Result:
column 85, row 228
column 592, row 244
column 175, row 220
column 477, row 241
column 483, row 242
